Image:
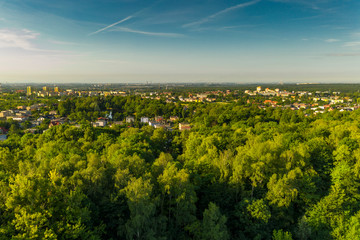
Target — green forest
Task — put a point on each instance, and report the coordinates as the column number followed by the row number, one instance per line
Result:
column 240, row 173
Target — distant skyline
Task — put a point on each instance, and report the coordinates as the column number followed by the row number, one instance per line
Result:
column 89, row 41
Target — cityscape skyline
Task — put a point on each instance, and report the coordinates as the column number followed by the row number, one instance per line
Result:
column 169, row 41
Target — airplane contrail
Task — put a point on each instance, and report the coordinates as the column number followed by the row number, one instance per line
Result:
column 111, row 25
column 125, row 19
column 208, row 18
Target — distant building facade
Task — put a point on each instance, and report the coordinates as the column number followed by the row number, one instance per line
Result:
column 28, row 90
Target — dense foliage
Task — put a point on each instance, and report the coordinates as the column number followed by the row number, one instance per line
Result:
column 240, row 173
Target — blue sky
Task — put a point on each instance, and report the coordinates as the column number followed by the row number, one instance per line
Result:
column 187, row 41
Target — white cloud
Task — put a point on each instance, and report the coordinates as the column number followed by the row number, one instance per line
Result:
column 24, row 39
column 159, row 34
column 332, row 40
column 207, row 19
column 352, row 44
column 18, row 39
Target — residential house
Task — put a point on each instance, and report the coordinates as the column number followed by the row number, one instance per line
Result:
column 21, row 107
column 54, row 123
column 23, row 113
column 17, row 118
column 130, row 119
column 41, row 119
column 164, row 126
column 101, row 122
column 159, row 119
column 184, row 126
column 6, row 113
column 144, row 120
column 35, row 107
column 174, row 118
column 151, row 123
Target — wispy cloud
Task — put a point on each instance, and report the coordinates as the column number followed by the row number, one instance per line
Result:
column 159, row 34
column 213, row 16
column 18, row 39
column 352, row 44
column 23, row 39
column 111, row 25
column 332, row 40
